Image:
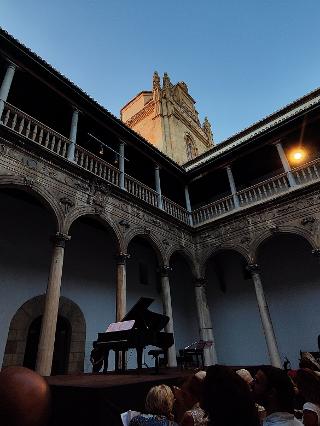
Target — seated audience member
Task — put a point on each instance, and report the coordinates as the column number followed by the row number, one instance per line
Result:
column 25, row 398
column 308, row 361
column 246, row 376
column 274, row 390
column 187, row 408
column 159, row 408
column 227, row 399
column 308, row 384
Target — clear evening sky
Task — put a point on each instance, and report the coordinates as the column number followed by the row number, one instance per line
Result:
column 241, row 59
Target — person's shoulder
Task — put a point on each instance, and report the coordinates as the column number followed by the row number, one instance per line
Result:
column 297, row 422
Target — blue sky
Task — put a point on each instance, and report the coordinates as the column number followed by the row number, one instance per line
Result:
column 241, row 59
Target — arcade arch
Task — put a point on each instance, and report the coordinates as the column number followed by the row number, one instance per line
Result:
column 186, row 325
column 89, row 274
column 237, row 329
column 26, row 227
column 290, row 278
column 27, row 315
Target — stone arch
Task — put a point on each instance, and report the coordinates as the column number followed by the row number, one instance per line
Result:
column 27, row 313
column 215, row 250
column 267, row 235
column 186, row 255
column 40, row 192
column 150, row 238
column 105, row 220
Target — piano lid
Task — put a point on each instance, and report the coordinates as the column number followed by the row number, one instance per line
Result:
column 145, row 319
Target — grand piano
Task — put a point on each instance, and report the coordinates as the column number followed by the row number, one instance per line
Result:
column 146, row 331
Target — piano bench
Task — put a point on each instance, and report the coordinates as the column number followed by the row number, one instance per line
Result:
column 156, row 353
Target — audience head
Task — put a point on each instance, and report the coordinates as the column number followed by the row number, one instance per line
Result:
column 24, row 397
column 308, row 383
column 192, row 388
column 246, row 376
column 227, row 398
column 159, row 401
column 274, row 389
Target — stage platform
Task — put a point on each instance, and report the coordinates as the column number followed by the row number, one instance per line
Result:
column 98, row 399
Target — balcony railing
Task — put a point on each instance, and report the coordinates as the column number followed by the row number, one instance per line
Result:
column 136, row 188
column 262, row 191
column 39, row 133
column 34, row 130
column 96, row 165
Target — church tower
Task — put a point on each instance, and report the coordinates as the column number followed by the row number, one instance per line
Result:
column 167, row 118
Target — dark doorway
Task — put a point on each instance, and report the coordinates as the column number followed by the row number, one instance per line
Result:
column 61, row 346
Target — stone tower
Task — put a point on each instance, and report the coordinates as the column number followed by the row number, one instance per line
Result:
column 167, row 118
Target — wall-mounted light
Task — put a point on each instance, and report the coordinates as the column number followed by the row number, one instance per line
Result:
column 101, row 150
column 298, row 155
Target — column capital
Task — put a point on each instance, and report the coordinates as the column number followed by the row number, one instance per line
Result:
column 316, row 253
column 164, row 270
column 122, row 258
column 200, row 282
column 60, row 239
column 253, row 268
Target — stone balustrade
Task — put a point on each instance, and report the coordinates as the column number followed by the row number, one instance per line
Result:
column 37, row 132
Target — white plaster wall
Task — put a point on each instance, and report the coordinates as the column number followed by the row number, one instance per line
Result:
column 186, row 329
column 89, row 279
column 25, row 255
column 235, row 316
column 141, row 251
column 290, row 275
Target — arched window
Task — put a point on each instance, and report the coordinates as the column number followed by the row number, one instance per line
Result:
column 191, row 148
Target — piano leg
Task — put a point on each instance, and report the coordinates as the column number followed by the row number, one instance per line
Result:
column 139, row 358
column 123, row 360
column 105, row 361
column 116, row 360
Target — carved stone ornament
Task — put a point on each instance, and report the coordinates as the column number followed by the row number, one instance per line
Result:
column 59, row 240
column 253, row 268
column 316, row 253
column 165, row 270
column 29, row 162
column 67, row 204
column 122, row 258
column 200, row 282
column 124, row 223
column 307, row 220
column 28, row 182
column 4, row 149
column 83, row 186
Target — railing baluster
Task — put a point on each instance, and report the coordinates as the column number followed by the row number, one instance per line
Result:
column 34, row 133
column 58, row 146
column 6, row 117
column 21, row 126
column 46, row 143
column 28, row 129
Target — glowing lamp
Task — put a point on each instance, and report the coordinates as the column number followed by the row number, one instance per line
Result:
column 298, row 155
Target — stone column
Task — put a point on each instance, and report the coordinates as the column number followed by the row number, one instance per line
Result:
column 188, row 203
column 121, row 165
column 285, row 164
column 233, row 187
column 5, row 86
column 204, row 321
column 265, row 317
column 167, row 310
column 158, row 185
column 49, row 320
column 73, row 135
column 121, row 298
